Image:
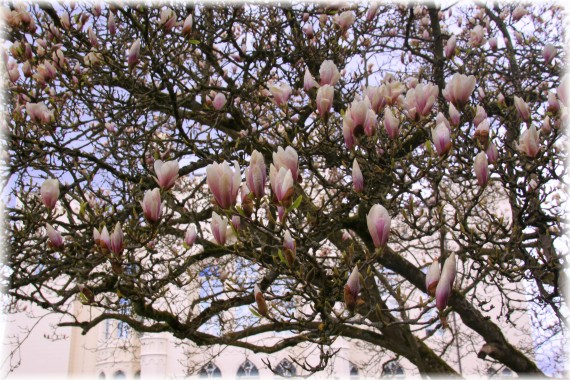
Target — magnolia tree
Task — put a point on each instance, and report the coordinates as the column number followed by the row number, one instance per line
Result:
column 372, row 172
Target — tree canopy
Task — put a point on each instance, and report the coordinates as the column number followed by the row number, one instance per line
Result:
column 366, row 171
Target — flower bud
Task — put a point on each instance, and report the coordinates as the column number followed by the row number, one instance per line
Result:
column 445, row 284
column 289, row 159
column 328, row 73
column 529, row 142
column 39, row 113
column 309, row 82
column 134, row 54
column 522, row 108
column 481, row 167
column 55, row 240
column 357, row 178
column 187, row 26
column 450, row 47
column 282, row 184
column 50, row 192
column 432, row 278
column 116, row 241
column 256, row 174
column 482, row 132
column 280, row 93
column 441, row 139
column 224, row 183
column 480, row 115
column 493, row 43
column 391, row 123
column 459, row 89
column 325, row 96
column 260, row 300
column 419, row 100
column 378, row 221
column 219, row 228
column 454, row 115
column 344, row 20
column 190, row 236
column 492, row 153
column 152, row 206
column 111, row 26
column 105, row 239
column 289, row 249
column 219, row 101
column 351, row 289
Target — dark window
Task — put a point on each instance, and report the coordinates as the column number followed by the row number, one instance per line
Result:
column 248, row 369
column 286, row 369
column 119, row 375
column 353, row 371
column 209, row 371
column 392, row 369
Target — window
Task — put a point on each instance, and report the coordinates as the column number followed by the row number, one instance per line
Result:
column 102, row 375
column 286, row 369
column 209, row 371
column 119, row 375
column 353, row 371
column 392, row 369
column 248, row 370
column 122, row 327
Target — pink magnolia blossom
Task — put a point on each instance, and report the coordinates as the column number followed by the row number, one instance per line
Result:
column 309, row 81
column 55, row 239
column 134, row 54
column 344, row 20
column 219, row 101
column 347, row 132
column 482, row 132
column 280, row 93
column 260, row 301
column 50, row 192
column 492, row 153
column 104, row 239
column 236, row 222
column 493, row 44
column 371, row 13
column 459, row 89
column 219, row 227
column 111, row 25
column 256, row 174
column 392, row 91
column 519, row 38
column 64, row 20
column 549, row 53
column 481, row 168
column 376, row 97
column 167, row 18
column 357, row 178
column 546, row 127
column 166, row 173
column 187, row 26
column 289, row 248
column 450, row 47
column 39, row 113
column 370, row 123
column 518, row 13
column 325, row 96
column 190, row 236
column 419, row 100
column 116, row 240
column 152, row 206
column 477, row 36
column 246, row 199
column 287, row 158
column 522, row 108
column 441, row 139
column 529, row 142
column 454, row 115
column 352, row 288
column 445, row 284
column 391, row 123
column 224, row 183
column 308, row 30
column 432, row 278
column 281, row 181
column 378, row 221
column 328, row 73
column 92, row 37
column 553, row 103
column 480, row 115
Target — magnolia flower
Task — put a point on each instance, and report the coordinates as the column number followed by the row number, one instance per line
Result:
column 190, row 236
column 370, row 123
column 116, row 240
column 518, row 13
column 224, row 183
column 289, row 248
column 55, row 240
column 357, row 178
column 351, row 289
column 372, row 12
column 391, row 123
column 281, row 183
column 529, row 142
column 236, row 222
column 134, row 53
column 50, row 192
column 419, row 100
column 522, row 108
column 477, row 36
column 441, row 139
column 519, row 38
column 219, row 101
column 546, row 128
column 309, row 81
column 482, row 132
column 308, row 30
column 376, row 97
column 347, row 132
column 459, row 89
column 492, row 153
column 219, row 228
column 493, row 44
column 432, row 278
column 454, row 115
column 392, row 91
column 450, row 47
column 111, row 26
column 151, row 205
column 378, row 221
column 64, row 19
column 287, row 158
column 260, row 300
column 328, row 73
column 325, row 96
column 104, row 239
column 256, row 174
column 167, row 18
column 549, row 53
column 39, row 112
column 481, row 167
column 480, row 115
column 246, row 199
column 445, row 284
column 92, row 37
column 553, row 103
column 167, row 173
column 187, row 26
column 280, row 93
column 344, row 20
